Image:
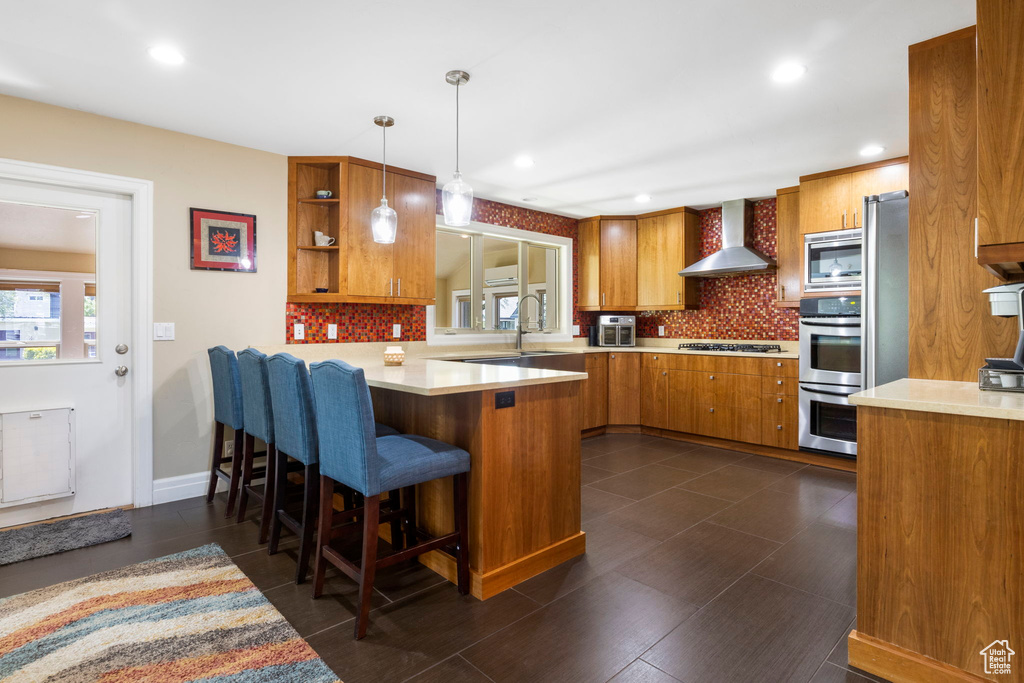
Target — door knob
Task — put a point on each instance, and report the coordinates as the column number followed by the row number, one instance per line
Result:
column 121, row 349
column 121, row 370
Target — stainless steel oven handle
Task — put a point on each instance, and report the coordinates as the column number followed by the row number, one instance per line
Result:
column 828, row 393
column 810, row 324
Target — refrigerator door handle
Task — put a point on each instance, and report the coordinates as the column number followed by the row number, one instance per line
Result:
column 869, row 292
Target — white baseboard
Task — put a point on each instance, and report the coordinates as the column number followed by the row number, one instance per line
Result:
column 184, row 486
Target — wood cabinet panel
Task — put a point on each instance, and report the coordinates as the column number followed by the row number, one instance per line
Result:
column 940, row 534
column 875, row 181
column 1000, row 121
column 624, row 388
column 415, row 244
column 785, row 367
column 732, row 423
column 666, row 244
column 654, row 395
column 739, row 391
column 595, row 391
column 790, row 251
column 951, row 329
column 780, row 421
column 589, row 254
column 370, row 265
column 744, row 365
column 684, row 401
column 779, row 385
column 825, row 204
column 618, row 264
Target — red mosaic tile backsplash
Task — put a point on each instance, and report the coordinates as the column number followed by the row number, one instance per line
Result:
column 741, row 307
column 730, row 308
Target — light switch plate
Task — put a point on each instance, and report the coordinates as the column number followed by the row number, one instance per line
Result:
column 661, row 330
column 396, row 331
column 332, row 331
column 299, row 331
column 163, row 331
column 575, row 330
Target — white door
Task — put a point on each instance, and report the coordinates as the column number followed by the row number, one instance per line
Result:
column 65, row 331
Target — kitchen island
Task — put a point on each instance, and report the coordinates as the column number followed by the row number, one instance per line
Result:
column 940, row 532
column 524, row 481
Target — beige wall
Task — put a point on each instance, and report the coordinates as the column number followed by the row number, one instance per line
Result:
column 33, row 259
column 209, row 308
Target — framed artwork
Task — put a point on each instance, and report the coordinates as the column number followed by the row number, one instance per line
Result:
column 222, row 240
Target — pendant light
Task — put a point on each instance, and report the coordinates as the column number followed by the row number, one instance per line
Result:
column 384, row 220
column 457, row 195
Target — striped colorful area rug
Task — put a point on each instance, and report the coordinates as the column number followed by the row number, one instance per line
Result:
column 193, row 616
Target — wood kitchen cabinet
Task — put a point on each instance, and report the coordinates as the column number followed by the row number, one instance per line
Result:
column 355, row 268
column 624, row 388
column 667, row 242
column 1000, row 71
column 618, row 264
column 588, row 235
column 595, row 392
column 790, row 247
column 654, row 383
column 834, row 200
column 780, row 422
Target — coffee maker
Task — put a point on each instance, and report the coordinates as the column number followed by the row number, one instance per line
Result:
column 1006, row 374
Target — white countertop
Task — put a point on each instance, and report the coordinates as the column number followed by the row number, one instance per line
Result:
column 952, row 398
column 427, row 376
column 666, row 350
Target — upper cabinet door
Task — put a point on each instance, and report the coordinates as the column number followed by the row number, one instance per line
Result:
column 589, row 254
column 875, row 181
column 790, row 245
column 413, row 199
column 370, row 265
column 825, row 204
column 1000, row 121
column 659, row 257
column 618, row 264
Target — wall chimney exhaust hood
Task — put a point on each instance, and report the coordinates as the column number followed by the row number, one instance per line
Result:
column 736, row 257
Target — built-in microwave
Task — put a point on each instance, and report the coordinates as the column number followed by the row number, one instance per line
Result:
column 616, row 330
column 833, row 260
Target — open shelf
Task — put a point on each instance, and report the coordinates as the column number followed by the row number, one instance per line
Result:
column 310, row 248
column 318, row 201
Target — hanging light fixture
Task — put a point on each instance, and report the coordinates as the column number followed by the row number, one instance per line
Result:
column 457, row 195
column 384, row 220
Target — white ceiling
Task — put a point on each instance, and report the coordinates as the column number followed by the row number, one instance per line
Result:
column 612, row 99
column 44, row 228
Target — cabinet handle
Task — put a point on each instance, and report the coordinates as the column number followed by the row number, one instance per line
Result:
column 655, row 358
column 778, row 365
column 679, row 297
column 711, row 376
column 711, row 410
column 975, row 237
column 855, row 219
column 844, row 220
column 391, row 286
column 399, row 286
column 779, row 382
column 664, row 374
column 782, row 292
column 778, row 400
column 613, row 356
column 779, row 427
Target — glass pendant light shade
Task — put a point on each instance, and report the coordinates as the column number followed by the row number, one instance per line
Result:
column 384, row 223
column 383, row 219
column 457, row 200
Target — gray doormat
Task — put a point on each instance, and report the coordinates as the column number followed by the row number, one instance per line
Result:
column 68, row 534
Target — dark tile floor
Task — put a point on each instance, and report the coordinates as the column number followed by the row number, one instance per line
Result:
column 702, row 564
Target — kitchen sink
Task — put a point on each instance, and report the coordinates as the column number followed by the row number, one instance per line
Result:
column 544, row 360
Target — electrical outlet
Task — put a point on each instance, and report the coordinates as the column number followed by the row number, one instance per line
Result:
column 332, row 331
column 229, row 448
column 505, row 399
column 396, row 331
column 661, row 330
column 299, row 331
column 575, row 330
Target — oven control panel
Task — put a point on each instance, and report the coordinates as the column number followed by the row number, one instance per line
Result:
column 830, row 306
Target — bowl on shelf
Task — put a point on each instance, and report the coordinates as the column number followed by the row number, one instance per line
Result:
column 323, row 194
column 320, row 290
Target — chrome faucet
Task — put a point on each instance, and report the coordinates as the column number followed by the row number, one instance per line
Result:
column 519, row 326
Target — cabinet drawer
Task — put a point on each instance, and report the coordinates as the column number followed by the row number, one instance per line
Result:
column 780, row 422
column 786, row 367
column 718, row 364
column 779, row 385
column 662, row 361
column 734, row 424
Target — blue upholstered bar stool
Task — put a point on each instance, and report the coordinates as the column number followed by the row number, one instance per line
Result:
column 353, row 454
column 295, row 434
column 258, row 415
column 227, row 412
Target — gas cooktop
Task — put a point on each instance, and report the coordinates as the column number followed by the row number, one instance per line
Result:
column 735, row 348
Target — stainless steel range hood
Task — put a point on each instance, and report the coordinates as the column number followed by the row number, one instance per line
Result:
column 736, row 256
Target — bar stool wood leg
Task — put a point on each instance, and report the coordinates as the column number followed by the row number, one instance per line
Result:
column 310, row 502
column 395, row 505
column 236, row 472
column 268, row 494
column 218, row 455
column 462, row 529
column 280, row 486
column 409, row 505
column 323, row 533
column 248, row 455
column 368, row 565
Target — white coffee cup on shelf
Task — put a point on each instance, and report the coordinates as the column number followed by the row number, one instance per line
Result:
column 322, row 240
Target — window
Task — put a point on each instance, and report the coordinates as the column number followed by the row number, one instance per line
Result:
column 29, row 320
column 498, row 268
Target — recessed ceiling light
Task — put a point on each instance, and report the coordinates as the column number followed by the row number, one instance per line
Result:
column 529, row 199
column 464, row 236
column 165, row 54
column 788, row 72
column 523, row 161
column 84, row 215
column 642, row 198
column 872, row 151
